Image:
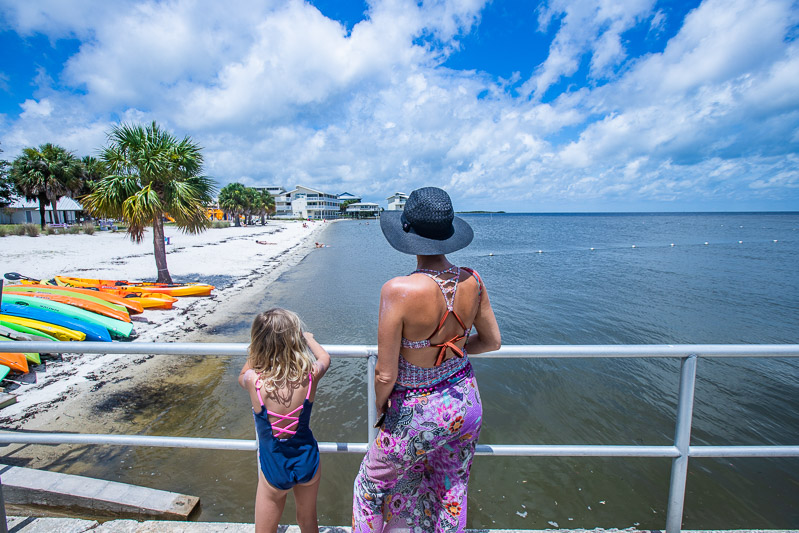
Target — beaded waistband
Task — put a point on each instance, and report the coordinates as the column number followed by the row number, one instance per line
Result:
column 412, row 377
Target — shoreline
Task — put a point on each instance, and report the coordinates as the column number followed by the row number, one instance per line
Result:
column 59, row 393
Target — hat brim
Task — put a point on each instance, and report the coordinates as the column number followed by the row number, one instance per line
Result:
column 411, row 243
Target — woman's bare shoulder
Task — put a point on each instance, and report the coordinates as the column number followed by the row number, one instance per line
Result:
column 402, row 287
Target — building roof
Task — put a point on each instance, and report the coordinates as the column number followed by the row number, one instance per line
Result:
column 347, row 196
column 400, row 194
column 63, row 204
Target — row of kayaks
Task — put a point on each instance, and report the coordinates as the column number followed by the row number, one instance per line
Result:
column 77, row 309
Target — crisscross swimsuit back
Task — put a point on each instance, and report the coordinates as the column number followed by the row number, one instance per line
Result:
column 448, row 286
column 286, row 462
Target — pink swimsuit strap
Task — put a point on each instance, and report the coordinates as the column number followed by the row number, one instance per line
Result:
column 290, row 418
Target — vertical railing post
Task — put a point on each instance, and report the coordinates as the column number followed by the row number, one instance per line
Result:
column 370, row 396
column 3, row 518
column 682, row 441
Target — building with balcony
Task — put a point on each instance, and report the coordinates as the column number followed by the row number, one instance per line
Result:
column 304, row 202
column 363, row 210
column 396, row 202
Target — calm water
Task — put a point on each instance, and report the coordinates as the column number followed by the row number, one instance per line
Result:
column 632, row 288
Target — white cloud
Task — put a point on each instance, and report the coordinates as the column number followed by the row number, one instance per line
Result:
column 277, row 93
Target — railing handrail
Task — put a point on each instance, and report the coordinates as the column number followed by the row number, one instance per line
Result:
column 524, row 351
column 679, row 452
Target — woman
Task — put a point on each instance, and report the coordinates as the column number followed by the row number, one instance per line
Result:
column 415, row 475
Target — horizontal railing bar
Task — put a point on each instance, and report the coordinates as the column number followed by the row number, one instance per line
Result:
column 743, row 451
column 529, row 450
column 360, row 350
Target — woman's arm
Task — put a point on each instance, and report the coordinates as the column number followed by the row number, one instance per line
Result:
column 487, row 338
column 322, row 357
column 389, row 338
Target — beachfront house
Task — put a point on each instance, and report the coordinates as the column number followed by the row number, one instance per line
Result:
column 273, row 190
column 363, row 210
column 22, row 211
column 304, row 202
column 347, row 197
column 396, row 202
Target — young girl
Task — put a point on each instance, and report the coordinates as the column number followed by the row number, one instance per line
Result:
column 281, row 375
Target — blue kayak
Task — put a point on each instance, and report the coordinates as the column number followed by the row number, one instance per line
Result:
column 93, row 331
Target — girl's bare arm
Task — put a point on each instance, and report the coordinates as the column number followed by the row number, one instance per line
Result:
column 322, row 357
column 246, row 374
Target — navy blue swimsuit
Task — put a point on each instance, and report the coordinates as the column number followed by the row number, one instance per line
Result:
column 287, row 462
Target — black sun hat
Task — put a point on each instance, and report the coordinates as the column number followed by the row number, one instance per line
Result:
column 427, row 225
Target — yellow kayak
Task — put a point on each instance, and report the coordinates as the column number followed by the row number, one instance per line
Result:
column 59, row 332
column 175, row 289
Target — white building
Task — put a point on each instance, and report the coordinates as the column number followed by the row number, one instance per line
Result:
column 396, row 202
column 345, row 197
column 363, row 210
column 304, row 202
column 274, row 190
column 22, row 211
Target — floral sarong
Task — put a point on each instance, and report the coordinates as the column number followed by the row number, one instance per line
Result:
column 415, row 475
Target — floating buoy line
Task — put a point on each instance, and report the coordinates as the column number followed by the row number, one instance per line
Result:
column 593, row 249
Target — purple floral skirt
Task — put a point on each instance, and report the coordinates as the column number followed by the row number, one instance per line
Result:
column 415, row 475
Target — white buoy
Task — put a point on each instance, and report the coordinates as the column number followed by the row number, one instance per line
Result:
column 775, row 240
column 740, row 242
column 706, row 243
column 492, row 253
column 592, row 249
column 542, row 251
column 672, row 244
column 633, row 246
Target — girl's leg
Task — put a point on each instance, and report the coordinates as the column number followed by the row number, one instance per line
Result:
column 305, row 498
column 269, row 503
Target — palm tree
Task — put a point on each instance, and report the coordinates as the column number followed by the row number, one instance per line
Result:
column 6, row 185
column 266, row 205
column 152, row 174
column 46, row 174
column 233, row 200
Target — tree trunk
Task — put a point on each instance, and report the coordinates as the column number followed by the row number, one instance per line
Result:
column 42, row 203
column 159, row 250
column 237, row 219
column 55, row 211
column 263, row 219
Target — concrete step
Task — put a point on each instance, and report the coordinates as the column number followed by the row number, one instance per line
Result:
column 93, row 497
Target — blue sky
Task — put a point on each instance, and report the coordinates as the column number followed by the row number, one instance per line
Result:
column 563, row 105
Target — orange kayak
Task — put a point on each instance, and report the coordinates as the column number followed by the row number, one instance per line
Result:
column 148, row 300
column 76, row 302
column 176, row 289
column 133, row 307
column 14, row 361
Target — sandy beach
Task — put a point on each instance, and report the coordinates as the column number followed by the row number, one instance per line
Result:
column 229, row 258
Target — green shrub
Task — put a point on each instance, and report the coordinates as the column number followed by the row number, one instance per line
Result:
column 19, row 229
column 50, row 230
column 73, row 229
column 88, row 228
column 3, row 231
column 31, row 230
column 220, row 224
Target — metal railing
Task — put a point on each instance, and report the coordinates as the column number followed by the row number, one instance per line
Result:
column 679, row 452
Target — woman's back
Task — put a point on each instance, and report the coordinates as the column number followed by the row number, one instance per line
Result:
column 427, row 297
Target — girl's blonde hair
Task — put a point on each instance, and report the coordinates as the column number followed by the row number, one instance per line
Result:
column 278, row 351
